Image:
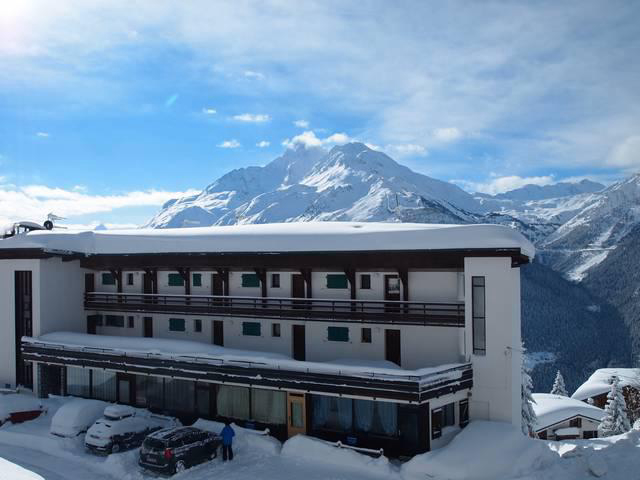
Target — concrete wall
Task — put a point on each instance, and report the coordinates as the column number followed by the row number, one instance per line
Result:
column 496, row 375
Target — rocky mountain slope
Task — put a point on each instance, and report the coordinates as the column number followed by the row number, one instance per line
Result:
column 577, row 228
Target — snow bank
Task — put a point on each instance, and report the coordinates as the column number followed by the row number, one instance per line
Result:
column 483, row 450
column 598, row 382
column 11, row 471
column 314, row 450
column 246, row 440
column 280, row 237
column 552, row 409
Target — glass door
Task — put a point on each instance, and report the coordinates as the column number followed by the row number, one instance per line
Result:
column 296, row 414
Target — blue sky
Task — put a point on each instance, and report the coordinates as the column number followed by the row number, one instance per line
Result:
column 110, row 108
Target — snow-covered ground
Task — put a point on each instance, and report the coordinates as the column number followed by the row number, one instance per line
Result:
column 484, row 450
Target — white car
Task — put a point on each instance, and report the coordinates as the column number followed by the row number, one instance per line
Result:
column 123, row 428
column 76, row 416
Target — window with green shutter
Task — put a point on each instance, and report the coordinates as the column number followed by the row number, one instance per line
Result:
column 250, row 280
column 176, row 325
column 197, row 280
column 114, row 320
column 337, row 281
column 338, row 334
column 176, row 280
column 251, row 328
column 108, row 279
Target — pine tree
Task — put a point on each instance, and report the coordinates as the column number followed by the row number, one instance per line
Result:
column 529, row 418
column 615, row 420
column 558, row 386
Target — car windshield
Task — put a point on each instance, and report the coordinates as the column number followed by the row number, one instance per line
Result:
column 153, row 444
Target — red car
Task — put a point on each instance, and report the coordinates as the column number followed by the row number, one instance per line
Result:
column 19, row 407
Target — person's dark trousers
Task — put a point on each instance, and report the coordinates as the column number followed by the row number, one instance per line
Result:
column 227, row 453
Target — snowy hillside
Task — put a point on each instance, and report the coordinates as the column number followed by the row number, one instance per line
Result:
column 350, row 182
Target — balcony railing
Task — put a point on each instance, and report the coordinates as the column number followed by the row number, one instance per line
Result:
column 365, row 311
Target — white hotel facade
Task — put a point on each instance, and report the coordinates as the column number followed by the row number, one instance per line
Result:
column 386, row 336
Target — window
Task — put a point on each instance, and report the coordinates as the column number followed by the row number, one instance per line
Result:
column 250, row 280
column 337, row 281
column 275, row 280
column 233, row 402
column 478, row 316
column 576, row 422
column 79, row 382
column 464, row 413
column 176, row 325
column 197, row 325
column 114, row 320
column 268, row 406
column 130, row 321
column 275, row 329
column 543, row 435
column 251, row 329
column 365, row 282
column 437, row 418
column 588, row 434
column 179, row 395
column 176, row 280
column 129, row 278
column 197, row 280
column 332, row 413
column 375, row 417
column 104, row 385
column 449, row 414
column 338, row 334
column 108, row 279
column 149, row 391
column 365, row 335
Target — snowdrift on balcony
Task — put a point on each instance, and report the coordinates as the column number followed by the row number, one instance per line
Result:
column 280, row 237
column 483, row 451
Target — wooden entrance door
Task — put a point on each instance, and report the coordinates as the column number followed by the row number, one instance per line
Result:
column 392, row 346
column 299, row 342
column 89, row 283
column 296, row 414
column 148, row 327
column 217, row 333
column 297, row 290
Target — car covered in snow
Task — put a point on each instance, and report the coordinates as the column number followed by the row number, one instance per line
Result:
column 76, row 416
column 19, row 407
column 173, row 450
column 123, row 428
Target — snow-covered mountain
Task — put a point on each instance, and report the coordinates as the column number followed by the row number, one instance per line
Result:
column 350, row 182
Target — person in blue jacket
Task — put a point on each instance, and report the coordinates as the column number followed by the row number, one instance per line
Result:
column 227, row 440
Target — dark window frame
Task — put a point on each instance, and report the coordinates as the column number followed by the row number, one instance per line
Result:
column 463, row 408
column 275, row 330
column 275, row 280
column 107, row 278
column 365, row 281
column 250, row 280
column 365, row 335
column 114, row 321
column 337, row 281
column 437, row 421
column 175, row 280
column 337, row 334
column 173, row 323
column 252, row 329
column 196, row 279
column 197, row 325
column 130, row 321
column 478, row 287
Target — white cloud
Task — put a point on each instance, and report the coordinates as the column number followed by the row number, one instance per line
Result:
column 252, row 117
column 252, row 74
column 504, row 184
column 34, row 202
column 447, row 134
column 263, row 144
column 233, row 143
column 309, row 139
column 301, row 123
column 626, row 154
column 406, row 149
column 42, row 134
column 209, row 111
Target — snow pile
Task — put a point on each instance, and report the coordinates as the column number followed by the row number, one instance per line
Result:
column 11, row 471
column 483, row 450
column 17, row 402
column 552, row 409
column 600, row 381
column 312, row 449
column 246, row 440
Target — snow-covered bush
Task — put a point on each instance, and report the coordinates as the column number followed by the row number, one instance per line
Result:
column 615, row 420
column 559, row 387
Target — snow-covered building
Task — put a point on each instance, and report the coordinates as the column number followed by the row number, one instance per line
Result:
column 598, row 385
column 562, row 418
column 378, row 335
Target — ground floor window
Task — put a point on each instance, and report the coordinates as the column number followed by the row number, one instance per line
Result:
column 332, row 413
column 179, row 395
column 375, row 417
column 363, row 416
column 78, row 381
column 269, row 406
column 149, row 392
column 590, row 434
column 104, row 385
column 233, row 402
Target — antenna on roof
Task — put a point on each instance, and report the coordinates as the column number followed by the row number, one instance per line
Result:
column 51, row 217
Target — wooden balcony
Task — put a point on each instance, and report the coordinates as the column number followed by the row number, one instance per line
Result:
column 350, row 311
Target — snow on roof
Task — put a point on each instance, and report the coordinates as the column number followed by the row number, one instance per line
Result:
column 553, row 409
column 279, row 237
column 598, row 382
column 187, row 350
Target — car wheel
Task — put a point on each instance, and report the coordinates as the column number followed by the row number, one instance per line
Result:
column 180, row 467
column 115, row 448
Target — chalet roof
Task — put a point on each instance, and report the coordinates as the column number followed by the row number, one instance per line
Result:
column 598, row 382
column 553, row 409
column 279, row 237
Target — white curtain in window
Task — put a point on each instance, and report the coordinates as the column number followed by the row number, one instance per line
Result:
column 104, row 385
column 320, row 411
column 387, row 414
column 78, row 382
column 268, row 406
column 233, row 402
column 363, row 414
